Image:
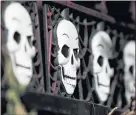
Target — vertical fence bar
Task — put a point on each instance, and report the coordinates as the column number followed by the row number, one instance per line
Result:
column 45, row 29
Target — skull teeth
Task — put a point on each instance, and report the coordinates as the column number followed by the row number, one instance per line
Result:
column 22, row 66
column 66, row 76
column 69, row 81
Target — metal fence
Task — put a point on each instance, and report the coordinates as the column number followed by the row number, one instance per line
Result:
column 46, row 87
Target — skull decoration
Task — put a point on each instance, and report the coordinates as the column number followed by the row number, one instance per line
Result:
column 67, row 37
column 19, row 41
column 129, row 70
column 102, row 53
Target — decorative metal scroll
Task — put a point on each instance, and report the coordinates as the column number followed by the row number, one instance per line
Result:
column 86, row 27
column 37, row 83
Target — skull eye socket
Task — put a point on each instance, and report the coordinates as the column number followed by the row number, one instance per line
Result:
column 131, row 69
column 100, row 60
column 17, row 37
column 29, row 40
column 75, row 52
column 112, row 63
column 65, row 51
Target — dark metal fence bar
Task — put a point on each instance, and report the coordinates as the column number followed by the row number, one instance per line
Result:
column 45, row 28
column 93, row 13
column 62, row 105
column 87, row 10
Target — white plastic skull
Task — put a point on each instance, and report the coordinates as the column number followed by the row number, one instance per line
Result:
column 102, row 52
column 129, row 70
column 19, row 41
column 67, row 55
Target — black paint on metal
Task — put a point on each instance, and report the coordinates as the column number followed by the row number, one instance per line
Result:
column 46, row 53
column 62, row 105
column 94, row 13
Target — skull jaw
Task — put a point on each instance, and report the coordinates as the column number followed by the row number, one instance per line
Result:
column 22, row 78
column 130, row 93
column 102, row 89
column 69, row 88
column 23, row 74
column 101, row 94
column 129, row 86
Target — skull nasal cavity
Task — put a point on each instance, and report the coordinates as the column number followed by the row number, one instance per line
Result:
column 72, row 60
